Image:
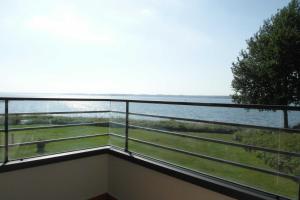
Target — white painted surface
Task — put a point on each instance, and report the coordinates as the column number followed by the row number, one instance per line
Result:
column 84, row 178
column 128, row 181
column 70, row 180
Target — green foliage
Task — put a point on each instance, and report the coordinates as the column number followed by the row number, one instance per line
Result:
column 268, row 71
column 274, row 140
column 51, row 119
column 297, row 126
column 173, row 125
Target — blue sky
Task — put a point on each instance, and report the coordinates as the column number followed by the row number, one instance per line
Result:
column 182, row 47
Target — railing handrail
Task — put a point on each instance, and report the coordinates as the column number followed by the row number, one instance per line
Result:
column 226, row 105
column 57, row 113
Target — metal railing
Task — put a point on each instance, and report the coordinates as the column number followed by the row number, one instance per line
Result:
column 8, row 114
column 127, row 127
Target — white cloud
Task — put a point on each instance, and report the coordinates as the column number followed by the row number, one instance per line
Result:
column 68, row 25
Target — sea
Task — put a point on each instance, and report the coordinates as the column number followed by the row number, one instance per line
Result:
column 219, row 114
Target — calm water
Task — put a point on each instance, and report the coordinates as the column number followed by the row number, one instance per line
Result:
column 234, row 115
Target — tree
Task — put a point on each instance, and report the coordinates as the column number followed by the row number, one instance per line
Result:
column 268, row 71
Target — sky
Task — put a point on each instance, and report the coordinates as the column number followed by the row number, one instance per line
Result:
column 172, row 47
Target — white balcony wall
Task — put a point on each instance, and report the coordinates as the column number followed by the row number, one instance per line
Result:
column 128, row 181
column 69, row 180
column 89, row 177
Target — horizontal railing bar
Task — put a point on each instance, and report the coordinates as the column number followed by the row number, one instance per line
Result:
column 215, row 140
column 116, row 147
column 117, row 135
column 53, row 99
column 119, row 112
column 228, row 105
column 211, row 158
column 225, row 105
column 55, row 126
column 216, row 122
column 57, row 140
column 66, row 112
column 57, row 154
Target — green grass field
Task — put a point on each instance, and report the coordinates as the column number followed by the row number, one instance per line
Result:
column 18, row 152
column 266, row 182
column 270, row 183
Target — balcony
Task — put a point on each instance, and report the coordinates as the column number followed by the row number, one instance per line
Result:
column 138, row 149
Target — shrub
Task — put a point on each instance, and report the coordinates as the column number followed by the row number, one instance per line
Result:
column 173, row 125
column 274, row 140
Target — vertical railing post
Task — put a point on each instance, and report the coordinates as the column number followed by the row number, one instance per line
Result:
column 126, row 126
column 285, row 118
column 298, row 180
column 6, row 131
